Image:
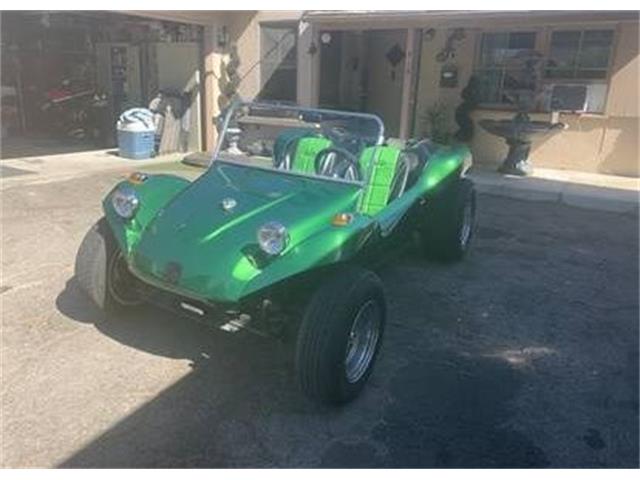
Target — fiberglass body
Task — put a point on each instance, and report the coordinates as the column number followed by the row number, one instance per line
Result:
column 198, row 239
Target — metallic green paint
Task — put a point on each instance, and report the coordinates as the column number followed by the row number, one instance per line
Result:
column 154, row 193
column 215, row 248
column 184, row 224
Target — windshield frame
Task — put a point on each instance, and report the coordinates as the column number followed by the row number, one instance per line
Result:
column 215, row 157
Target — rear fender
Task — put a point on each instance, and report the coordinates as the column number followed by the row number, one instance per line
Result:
column 447, row 161
column 154, row 193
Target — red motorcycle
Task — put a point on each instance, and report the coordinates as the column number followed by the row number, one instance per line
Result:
column 71, row 110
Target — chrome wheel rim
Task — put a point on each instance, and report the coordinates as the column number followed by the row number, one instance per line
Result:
column 467, row 221
column 120, row 282
column 363, row 340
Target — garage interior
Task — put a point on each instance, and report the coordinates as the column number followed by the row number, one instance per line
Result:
column 67, row 77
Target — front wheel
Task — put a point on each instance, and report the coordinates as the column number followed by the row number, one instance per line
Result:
column 102, row 272
column 340, row 336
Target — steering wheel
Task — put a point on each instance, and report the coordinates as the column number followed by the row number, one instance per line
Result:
column 336, row 132
column 338, row 163
column 282, row 161
column 342, row 135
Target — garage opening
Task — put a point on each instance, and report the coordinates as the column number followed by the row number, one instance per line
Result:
column 67, row 77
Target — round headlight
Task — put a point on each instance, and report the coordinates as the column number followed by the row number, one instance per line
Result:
column 273, row 238
column 125, row 201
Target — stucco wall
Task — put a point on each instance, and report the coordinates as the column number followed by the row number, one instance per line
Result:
column 429, row 91
column 603, row 143
column 591, row 144
column 623, row 98
column 243, row 28
column 606, row 143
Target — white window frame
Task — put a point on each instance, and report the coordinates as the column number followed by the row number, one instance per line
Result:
column 576, row 67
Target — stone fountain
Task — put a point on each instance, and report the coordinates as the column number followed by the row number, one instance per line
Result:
column 520, row 130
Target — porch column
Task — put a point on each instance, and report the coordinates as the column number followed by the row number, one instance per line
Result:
column 308, row 66
column 408, row 83
column 211, row 59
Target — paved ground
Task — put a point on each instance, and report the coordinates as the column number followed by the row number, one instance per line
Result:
column 39, row 168
column 524, row 355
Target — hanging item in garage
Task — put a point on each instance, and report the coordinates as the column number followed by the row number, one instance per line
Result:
column 118, row 74
column 172, row 114
column 174, row 80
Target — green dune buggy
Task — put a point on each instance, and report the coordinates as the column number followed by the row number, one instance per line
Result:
column 282, row 233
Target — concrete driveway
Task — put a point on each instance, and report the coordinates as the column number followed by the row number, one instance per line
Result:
column 525, row 355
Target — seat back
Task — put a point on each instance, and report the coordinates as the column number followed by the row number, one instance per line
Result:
column 283, row 141
column 306, row 152
column 380, row 164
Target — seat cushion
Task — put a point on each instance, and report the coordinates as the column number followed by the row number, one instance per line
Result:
column 378, row 165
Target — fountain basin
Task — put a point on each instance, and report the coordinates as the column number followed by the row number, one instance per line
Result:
column 518, row 133
column 521, row 130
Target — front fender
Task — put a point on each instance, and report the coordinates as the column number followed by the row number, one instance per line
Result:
column 331, row 245
column 155, row 192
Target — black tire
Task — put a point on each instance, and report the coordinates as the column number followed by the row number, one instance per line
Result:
column 324, row 336
column 449, row 231
column 95, row 269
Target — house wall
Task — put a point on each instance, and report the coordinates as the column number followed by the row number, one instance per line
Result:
column 605, row 143
column 602, row 143
column 243, row 30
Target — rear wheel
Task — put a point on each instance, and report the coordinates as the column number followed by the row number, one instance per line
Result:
column 340, row 336
column 450, row 226
column 102, row 272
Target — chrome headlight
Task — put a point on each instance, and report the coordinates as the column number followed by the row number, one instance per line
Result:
column 125, row 201
column 273, row 238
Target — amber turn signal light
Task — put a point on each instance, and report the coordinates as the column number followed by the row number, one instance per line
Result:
column 341, row 219
column 137, row 178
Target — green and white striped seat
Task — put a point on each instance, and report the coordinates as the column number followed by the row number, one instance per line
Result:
column 380, row 167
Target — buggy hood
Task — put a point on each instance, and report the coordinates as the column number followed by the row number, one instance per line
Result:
column 196, row 247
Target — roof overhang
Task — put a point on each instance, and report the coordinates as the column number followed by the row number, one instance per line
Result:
column 194, row 17
column 386, row 19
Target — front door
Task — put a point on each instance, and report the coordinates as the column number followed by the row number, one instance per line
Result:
column 363, row 71
column 385, row 67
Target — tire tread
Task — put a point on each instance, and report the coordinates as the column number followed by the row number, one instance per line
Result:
column 322, row 321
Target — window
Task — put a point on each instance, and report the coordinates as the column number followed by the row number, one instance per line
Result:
column 579, row 54
column 278, row 69
column 500, row 67
column 573, row 56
